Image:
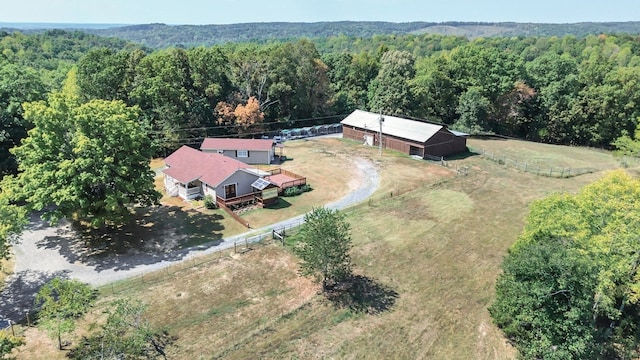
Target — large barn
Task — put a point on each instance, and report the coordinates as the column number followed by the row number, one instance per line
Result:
column 408, row 136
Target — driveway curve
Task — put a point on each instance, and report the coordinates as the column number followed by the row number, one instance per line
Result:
column 45, row 252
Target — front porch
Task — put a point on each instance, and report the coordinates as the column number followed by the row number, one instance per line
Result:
column 189, row 191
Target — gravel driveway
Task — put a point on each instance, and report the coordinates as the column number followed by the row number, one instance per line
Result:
column 46, row 252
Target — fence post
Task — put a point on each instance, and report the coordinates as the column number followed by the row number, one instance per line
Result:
column 562, row 172
column 569, row 172
column 550, row 172
column 525, row 166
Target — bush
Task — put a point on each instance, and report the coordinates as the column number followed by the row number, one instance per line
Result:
column 292, row 191
column 296, row 190
column 210, row 202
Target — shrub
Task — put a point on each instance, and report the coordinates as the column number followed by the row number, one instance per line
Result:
column 292, row 191
column 210, row 202
column 296, row 190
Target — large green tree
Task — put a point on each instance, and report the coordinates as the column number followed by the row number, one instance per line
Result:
column 18, row 84
column 570, row 287
column 390, row 92
column 473, row 109
column 86, row 160
column 324, row 246
column 102, row 74
column 61, row 302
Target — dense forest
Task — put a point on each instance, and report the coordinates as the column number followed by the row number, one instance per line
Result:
column 565, row 90
column 162, row 35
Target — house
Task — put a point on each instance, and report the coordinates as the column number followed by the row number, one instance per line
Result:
column 249, row 151
column 191, row 174
column 411, row 137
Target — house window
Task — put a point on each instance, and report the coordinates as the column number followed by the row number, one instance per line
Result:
column 230, row 191
column 242, row 153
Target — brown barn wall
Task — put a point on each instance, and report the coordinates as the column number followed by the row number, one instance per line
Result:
column 444, row 143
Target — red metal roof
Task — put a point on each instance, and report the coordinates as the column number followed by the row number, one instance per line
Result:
column 187, row 164
column 236, row 144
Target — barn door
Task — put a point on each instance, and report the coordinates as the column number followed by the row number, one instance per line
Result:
column 368, row 140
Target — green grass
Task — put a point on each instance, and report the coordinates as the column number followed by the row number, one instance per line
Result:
column 433, row 238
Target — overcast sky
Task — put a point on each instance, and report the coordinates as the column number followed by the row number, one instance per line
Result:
column 242, row 11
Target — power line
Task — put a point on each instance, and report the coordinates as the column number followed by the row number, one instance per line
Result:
column 237, row 125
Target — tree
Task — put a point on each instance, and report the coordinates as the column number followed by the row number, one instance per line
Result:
column 13, row 218
column 61, row 302
column 324, row 247
column 18, row 84
column 88, row 160
column 628, row 146
column 473, row 109
column 390, row 92
column 101, row 74
column 570, row 284
column 244, row 119
column 126, row 334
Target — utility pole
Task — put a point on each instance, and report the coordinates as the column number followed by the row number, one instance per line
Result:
column 380, row 120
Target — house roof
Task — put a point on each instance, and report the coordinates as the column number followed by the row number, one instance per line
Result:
column 395, row 126
column 236, row 144
column 187, row 164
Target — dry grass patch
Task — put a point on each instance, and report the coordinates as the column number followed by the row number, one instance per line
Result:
column 329, row 170
column 546, row 156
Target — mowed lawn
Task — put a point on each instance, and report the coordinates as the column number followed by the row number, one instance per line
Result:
column 432, row 239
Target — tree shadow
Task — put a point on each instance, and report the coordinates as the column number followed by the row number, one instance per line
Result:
column 362, row 294
column 152, row 235
column 19, row 293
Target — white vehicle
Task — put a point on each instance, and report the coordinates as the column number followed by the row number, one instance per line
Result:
column 277, row 139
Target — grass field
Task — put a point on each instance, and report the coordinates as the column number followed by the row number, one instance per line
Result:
column 429, row 243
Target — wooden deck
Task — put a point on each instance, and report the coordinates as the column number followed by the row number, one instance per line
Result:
column 285, row 179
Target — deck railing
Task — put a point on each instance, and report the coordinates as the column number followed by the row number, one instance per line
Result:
column 299, row 180
column 237, row 199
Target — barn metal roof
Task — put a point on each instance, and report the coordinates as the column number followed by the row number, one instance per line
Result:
column 392, row 125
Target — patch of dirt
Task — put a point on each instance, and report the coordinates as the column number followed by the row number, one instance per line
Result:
column 41, row 346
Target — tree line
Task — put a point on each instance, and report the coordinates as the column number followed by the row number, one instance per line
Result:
column 580, row 91
column 163, row 36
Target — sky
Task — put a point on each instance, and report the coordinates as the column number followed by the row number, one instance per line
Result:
column 200, row 12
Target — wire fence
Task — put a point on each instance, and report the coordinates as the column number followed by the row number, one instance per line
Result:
column 461, row 170
column 145, row 279
column 534, row 168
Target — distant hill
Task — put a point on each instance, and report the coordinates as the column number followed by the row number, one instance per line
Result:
column 162, row 35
